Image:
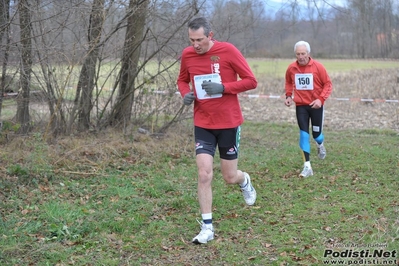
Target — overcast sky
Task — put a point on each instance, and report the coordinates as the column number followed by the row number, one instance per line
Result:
column 331, row 2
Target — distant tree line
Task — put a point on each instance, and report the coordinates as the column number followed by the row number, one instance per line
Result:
column 103, row 63
column 359, row 29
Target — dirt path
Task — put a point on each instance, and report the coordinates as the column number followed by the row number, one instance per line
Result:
column 339, row 114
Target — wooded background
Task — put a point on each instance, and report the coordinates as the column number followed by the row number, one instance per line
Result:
column 95, row 64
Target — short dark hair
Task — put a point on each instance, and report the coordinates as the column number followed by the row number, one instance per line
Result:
column 197, row 23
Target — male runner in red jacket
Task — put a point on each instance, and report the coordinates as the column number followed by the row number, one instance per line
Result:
column 212, row 69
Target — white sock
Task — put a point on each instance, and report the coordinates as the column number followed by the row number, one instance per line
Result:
column 207, row 219
column 245, row 182
column 307, row 164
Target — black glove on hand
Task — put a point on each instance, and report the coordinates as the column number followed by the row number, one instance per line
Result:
column 212, row 88
column 189, row 98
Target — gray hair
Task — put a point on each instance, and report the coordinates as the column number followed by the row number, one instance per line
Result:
column 300, row 43
column 197, row 23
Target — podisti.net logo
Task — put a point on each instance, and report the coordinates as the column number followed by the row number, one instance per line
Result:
column 360, row 257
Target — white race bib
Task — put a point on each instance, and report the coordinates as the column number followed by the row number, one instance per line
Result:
column 304, row 81
column 201, row 93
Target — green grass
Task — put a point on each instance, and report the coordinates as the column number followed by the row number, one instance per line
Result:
column 139, row 207
column 277, row 67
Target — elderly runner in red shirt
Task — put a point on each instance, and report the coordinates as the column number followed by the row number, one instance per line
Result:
column 308, row 85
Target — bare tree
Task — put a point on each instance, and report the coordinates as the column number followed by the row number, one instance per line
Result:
column 385, row 23
column 150, row 35
column 362, row 15
column 316, row 15
column 84, row 91
column 134, row 37
column 4, row 34
column 22, row 116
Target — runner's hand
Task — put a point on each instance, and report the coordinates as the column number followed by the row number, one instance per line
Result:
column 189, row 98
column 288, row 101
column 316, row 104
column 212, row 88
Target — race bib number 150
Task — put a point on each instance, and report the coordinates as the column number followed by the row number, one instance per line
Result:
column 304, row 81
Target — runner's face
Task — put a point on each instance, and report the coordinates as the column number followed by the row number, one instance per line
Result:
column 302, row 55
column 199, row 41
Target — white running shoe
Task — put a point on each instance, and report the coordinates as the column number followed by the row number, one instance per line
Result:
column 249, row 191
column 205, row 235
column 306, row 172
column 321, row 151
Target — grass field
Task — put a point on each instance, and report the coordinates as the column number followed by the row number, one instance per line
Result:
column 107, row 200
column 277, row 67
column 115, row 199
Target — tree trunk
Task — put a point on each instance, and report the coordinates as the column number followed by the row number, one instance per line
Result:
column 87, row 75
column 23, row 117
column 122, row 112
column 4, row 31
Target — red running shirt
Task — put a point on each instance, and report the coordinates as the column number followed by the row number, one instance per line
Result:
column 236, row 75
column 307, row 83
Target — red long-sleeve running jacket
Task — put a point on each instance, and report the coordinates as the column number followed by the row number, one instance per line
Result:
column 307, row 83
column 236, row 76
